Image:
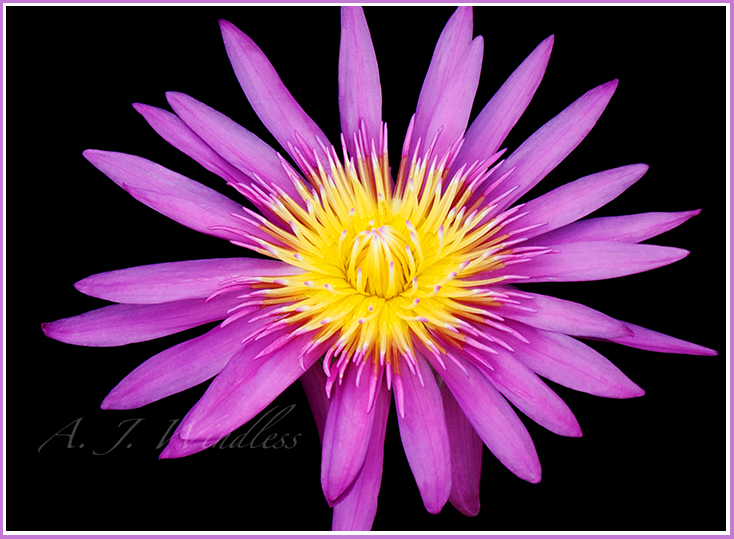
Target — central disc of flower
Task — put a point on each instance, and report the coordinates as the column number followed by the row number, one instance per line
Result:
column 387, row 269
column 380, row 261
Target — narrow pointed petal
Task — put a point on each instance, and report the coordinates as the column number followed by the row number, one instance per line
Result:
column 271, row 100
column 346, row 437
column 173, row 281
column 451, row 83
column 575, row 200
column 174, row 131
column 425, row 438
column 647, row 339
column 244, row 388
column 550, row 144
column 624, row 228
column 314, row 382
column 562, row 316
column 357, row 510
column 525, row 390
column 499, row 116
column 245, row 151
column 175, row 196
column 492, row 417
column 466, row 456
column 571, row 363
column 594, row 260
column 116, row 325
column 360, row 95
column 181, row 367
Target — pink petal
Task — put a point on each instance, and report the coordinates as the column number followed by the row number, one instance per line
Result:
column 116, row 325
column 172, row 281
column 550, row 144
column 314, row 382
column 360, row 95
column 174, row 131
column 571, row 363
column 562, row 316
column 448, row 91
column 242, row 390
column 270, row 99
column 500, row 115
column 181, row 367
column 575, row 200
column 175, row 196
column 494, row 420
column 625, row 228
column 593, row 260
column 346, row 436
column 466, row 456
column 425, row 438
column 250, row 155
column 647, row 339
column 525, row 390
column 357, row 510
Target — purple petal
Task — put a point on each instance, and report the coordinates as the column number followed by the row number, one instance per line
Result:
column 535, row 399
column 237, row 145
column 346, row 436
column 314, row 382
column 647, row 339
column 116, row 325
column 360, row 95
column 592, row 261
column 466, row 456
column 172, row 281
column 625, row 228
column 425, row 438
column 357, row 510
column 267, row 94
column 571, row 363
column 175, row 196
column 492, row 417
column 562, row 316
column 499, row 116
column 575, row 200
column 243, row 389
column 174, row 131
column 550, row 144
column 181, row 367
column 448, row 91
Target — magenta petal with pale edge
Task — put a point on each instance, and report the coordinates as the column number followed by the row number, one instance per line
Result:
column 172, row 281
column 356, row 511
column 360, row 95
column 466, row 456
column 175, row 196
column 180, row 367
column 267, row 94
column 647, row 339
column 625, row 228
column 346, row 436
column 425, row 438
column 571, row 363
column 244, row 388
column 562, row 316
column 493, row 418
column 499, row 116
column 550, row 144
column 448, row 91
column 120, row 324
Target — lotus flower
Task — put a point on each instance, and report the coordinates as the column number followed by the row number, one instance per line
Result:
column 376, row 283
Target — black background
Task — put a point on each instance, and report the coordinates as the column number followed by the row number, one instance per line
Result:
column 652, row 463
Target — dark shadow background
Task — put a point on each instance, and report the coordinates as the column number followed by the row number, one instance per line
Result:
column 652, row 463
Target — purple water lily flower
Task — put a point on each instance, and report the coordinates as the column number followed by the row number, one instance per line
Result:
column 380, row 283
